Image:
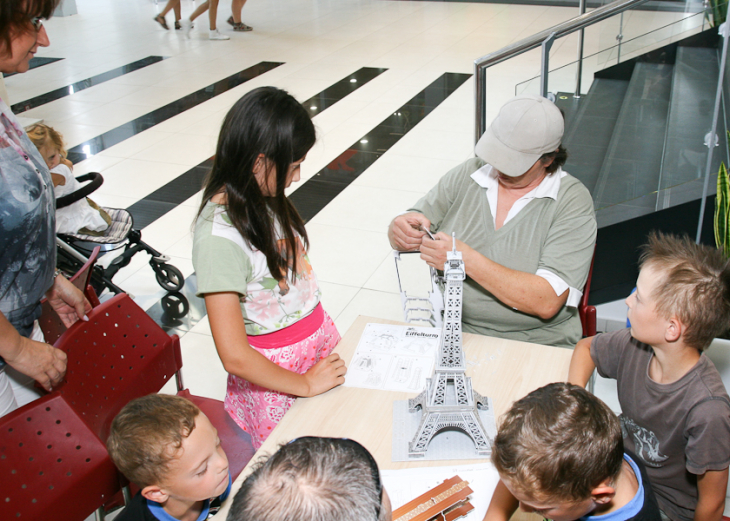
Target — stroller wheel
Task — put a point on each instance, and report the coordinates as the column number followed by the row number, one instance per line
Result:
column 169, row 277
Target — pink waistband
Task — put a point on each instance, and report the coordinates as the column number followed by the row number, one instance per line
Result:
column 297, row 332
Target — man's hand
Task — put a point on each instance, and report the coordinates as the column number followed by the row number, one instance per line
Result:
column 434, row 252
column 42, row 362
column 68, row 301
column 406, row 231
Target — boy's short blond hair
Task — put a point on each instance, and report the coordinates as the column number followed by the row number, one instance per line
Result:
column 694, row 286
column 41, row 135
column 147, row 434
column 558, row 443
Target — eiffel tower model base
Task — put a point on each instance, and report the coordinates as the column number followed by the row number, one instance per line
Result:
column 449, row 402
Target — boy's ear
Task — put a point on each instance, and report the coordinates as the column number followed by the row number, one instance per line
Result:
column 603, row 493
column 674, row 329
column 155, row 493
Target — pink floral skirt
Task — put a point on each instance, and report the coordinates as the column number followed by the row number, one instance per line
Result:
column 298, row 347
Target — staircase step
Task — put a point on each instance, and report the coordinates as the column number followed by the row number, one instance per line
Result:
column 589, row 133
column 694, row 85
column 633, row 160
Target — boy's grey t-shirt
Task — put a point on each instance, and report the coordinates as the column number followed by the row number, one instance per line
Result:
column 677, row 430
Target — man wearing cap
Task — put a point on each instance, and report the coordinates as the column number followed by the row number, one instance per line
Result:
column 525, row 228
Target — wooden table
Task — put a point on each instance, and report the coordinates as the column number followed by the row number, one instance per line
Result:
column 505, row 370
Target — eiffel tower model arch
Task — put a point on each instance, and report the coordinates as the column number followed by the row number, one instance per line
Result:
column 448, row 401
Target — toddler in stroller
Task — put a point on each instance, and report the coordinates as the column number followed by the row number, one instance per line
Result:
column 82, row 225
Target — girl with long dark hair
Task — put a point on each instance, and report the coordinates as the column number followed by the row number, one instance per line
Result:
column 249, row 254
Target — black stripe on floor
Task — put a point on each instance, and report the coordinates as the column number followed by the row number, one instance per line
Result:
column 84, row 84
column 35, row 63
column 167, row 197
column 149, row 120
column 325, row 185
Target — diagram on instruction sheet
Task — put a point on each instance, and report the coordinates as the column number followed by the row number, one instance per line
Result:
column 393, row 358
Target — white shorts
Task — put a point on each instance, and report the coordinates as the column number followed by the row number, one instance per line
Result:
column 17, row 389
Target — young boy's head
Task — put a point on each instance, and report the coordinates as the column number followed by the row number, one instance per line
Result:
column 558, row 451
column 169, row 448
column 683, row 293
column 48, row 142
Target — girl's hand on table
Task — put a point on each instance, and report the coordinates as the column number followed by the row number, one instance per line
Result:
column 325, row 374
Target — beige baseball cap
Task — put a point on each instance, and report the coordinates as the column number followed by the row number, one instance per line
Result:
column 525, row 128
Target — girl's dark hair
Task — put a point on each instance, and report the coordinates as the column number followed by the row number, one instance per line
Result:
column 15, row 17
column 559, row 157
column 271, row 122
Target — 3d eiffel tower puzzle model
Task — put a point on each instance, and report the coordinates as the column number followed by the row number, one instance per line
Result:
column 449, row 400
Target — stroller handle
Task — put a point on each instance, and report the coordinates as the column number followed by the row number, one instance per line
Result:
column 96, row 181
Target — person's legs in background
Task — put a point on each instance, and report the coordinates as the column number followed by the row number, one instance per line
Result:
column 171, row 4
column 235, row 19
column 212, row 14
column 178, row 15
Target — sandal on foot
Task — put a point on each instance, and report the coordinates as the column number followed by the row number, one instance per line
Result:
column 242, row 27
column 161, row 20
column 177, row 25
column 230, row 21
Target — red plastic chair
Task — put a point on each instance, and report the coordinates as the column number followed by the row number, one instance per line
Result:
column 588, row 313
column 50, row 322
column 52, row 465
column 122, row 354
column 118, row 355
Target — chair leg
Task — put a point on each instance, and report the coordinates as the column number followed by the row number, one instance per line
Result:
column 127, row 494
column 100, row 514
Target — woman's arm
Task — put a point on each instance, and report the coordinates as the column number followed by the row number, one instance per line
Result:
column 525, row 292
column 42, row 362
column 240, row 359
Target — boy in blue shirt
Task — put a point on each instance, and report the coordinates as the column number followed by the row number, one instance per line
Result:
column 559, row 453
column 168, row 447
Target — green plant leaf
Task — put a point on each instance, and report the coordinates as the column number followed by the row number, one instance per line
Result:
column 722, row 210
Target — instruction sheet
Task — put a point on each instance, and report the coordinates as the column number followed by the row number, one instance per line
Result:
column 407, row 484
column 393, row 358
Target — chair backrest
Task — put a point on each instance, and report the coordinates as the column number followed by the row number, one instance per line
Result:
column 51, row 465
column 50, row 323
column 118, row 355
column 588, row 313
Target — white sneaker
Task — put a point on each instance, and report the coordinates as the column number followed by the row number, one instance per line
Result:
column 216, row 35
column 187, row 27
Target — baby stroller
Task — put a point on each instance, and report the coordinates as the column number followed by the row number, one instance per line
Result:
column 74, row 249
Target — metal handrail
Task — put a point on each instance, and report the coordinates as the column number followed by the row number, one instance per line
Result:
column 533, row 42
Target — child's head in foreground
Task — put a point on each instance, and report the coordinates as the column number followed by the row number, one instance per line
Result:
column 49, row 143
column 683, row 293
column 558, row 451
column 327, row 479
column 168, row 447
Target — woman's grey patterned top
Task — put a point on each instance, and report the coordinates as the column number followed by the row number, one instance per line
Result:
column 27, row 225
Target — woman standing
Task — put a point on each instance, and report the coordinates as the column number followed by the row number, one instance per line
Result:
column 27, row 229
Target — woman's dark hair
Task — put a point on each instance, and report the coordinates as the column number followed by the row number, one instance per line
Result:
column 559, row 157
column 15, row 17
column 271, row 122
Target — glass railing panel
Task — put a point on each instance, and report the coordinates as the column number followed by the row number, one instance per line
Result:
column 612, row 53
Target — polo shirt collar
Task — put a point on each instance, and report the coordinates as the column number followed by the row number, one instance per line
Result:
column 486, row 177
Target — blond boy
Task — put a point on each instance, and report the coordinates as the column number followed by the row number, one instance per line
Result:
column 559, row 454
column 168, row 447
column 676, row 411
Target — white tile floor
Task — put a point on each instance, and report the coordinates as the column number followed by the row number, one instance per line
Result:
column 320, row 42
